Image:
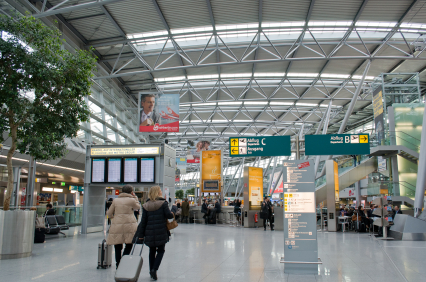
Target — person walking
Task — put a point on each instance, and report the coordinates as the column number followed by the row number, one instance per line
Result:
column 185, row 210
column 123, row 222
column 152, row 230
column 266, row 213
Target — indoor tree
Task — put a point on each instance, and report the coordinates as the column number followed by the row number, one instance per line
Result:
column 42, row 90
column 179, row 194
column 189, row 192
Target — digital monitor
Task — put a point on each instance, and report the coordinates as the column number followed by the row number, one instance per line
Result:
column 130, row 170
column 114, row 170
column 147, row 170
column 98, row 170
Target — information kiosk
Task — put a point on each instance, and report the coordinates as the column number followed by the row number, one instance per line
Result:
column 141, row 166
column 253, row 196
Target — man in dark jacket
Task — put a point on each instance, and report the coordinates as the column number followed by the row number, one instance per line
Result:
column 205, row 210
column 217, row 206
column 152, row 230
column 266, row 213
column 185, row 211
column 49, row 210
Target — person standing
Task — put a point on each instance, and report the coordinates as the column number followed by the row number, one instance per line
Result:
column 152, row 230
column 205, row 210
column 266, row 212
column 185, row 210
column 396, row 211
column 123, row 222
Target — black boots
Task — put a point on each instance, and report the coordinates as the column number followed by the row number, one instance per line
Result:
column 153, row 274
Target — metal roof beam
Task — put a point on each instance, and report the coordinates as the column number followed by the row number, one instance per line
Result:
column 52, row 11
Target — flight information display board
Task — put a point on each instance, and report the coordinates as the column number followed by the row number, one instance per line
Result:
column 130, row 170
column 147, row 170
column 98, row 170
column 114, row 170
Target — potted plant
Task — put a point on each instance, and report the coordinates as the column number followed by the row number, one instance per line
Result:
column 42, row 90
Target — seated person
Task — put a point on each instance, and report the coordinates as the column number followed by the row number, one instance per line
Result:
column 49, row 210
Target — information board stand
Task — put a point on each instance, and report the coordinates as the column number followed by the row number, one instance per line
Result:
column 300, row 230
column 253, row 196
column 154, row 165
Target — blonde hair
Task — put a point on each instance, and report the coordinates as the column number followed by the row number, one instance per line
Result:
column 154, row 193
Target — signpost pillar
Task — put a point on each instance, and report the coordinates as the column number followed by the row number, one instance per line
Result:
column 300, row 229
column 332, row 178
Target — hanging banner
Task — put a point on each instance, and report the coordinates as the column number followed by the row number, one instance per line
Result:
column 211, row 169
column 180, row 168
column 277, row 185
column 378, row 113
column 194, row 150
column 158, row 112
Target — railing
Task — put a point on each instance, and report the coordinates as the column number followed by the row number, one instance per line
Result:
column 72, row 214
column 373, row 189
column 348, row 164
column 395, row 138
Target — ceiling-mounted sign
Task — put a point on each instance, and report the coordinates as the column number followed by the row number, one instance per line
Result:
column 259, row 146
column 121, row 151
column 337, row 144
column 158, row 112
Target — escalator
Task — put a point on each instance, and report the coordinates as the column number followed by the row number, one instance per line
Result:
column 348, row 175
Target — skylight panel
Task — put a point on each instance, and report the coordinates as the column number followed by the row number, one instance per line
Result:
column 236, row 26
column 283, row 24
column 376, row 24
column 189, row 30
column 329, row 23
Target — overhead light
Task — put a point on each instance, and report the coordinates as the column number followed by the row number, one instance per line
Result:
column 59, row 190
column 47, row 189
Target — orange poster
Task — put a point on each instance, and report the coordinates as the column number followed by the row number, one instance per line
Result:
column 255, row 185
column 211, row 168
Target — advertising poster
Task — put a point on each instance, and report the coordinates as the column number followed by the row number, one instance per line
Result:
column 158, row 112
column 180, row 168
column 378, row 112
column 277, row 186
column 194, row 149
column 211, row 168
column 255, row 186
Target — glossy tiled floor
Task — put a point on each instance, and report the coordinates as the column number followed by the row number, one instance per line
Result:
column 215, row 253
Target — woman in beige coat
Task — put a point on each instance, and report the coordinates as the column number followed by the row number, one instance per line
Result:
column 123, row 222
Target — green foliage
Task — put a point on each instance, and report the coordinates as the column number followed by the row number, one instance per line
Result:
column 189, row 192
column 33, row 59
column 179, row 194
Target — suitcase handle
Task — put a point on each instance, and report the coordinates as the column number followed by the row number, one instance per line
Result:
column 133, row 248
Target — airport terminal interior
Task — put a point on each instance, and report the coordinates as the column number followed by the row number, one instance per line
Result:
column 257, row 140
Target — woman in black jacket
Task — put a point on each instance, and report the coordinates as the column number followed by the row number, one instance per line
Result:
column 152, row 230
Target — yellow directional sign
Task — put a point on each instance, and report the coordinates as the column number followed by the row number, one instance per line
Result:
column 363, row 139
column 234, row 142
column 234, row 150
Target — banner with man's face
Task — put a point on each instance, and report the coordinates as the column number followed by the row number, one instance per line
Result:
column 194, row 149
column 158, row 112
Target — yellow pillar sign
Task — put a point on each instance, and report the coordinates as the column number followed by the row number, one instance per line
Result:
column 255, row 185
column 211, row 168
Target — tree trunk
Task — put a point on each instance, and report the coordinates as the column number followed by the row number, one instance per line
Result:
column 6, row 204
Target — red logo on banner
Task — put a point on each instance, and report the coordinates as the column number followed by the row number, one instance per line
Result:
column 117, row 192
column 350, row 192
column 170, row 127
column 303, row 165
column 195, row 160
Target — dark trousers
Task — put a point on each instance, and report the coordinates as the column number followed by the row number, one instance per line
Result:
column 136, row 213
column 118, row 249
column 155, row 256
column 184, row 218
column 270, row 222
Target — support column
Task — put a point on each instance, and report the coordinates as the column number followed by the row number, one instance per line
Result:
column 16, row 183
column 421, row 173
column 87, row 175
column 29, row 201
column 358, row 193
column 332, row 186
column 326, row 122
column 393, row 159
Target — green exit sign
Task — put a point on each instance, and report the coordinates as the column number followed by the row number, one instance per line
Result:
column 62, row 183
column 337, row 144
column 259, row 146
column 53, row 182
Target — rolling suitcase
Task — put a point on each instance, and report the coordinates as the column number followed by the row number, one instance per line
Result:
column 130, row 267
column 104, row 255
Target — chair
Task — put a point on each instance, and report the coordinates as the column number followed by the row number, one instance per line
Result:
column 52, row 226
column 343, row 220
